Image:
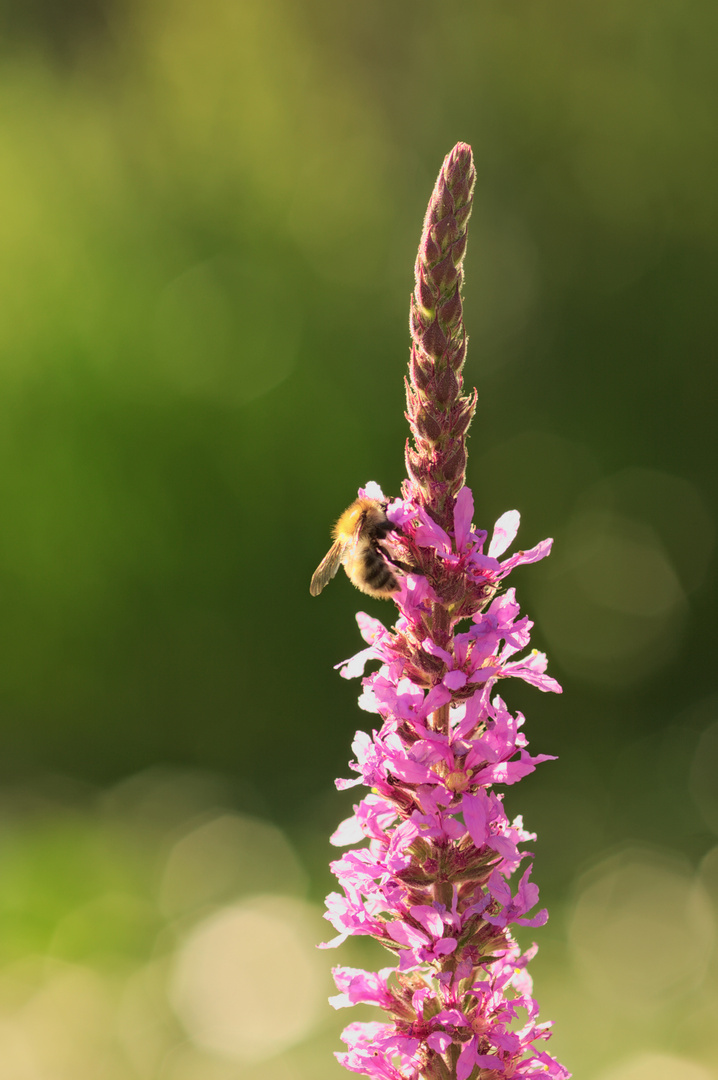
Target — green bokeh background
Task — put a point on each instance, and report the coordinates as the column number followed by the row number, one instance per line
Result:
column 209, row 220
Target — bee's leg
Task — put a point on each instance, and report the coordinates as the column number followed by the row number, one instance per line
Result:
column 389, row 527
column 406, row 567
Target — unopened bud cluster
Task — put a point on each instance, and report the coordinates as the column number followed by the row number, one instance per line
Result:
column 438, row 414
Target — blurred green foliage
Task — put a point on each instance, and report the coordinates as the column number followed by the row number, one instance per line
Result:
column 210, row 216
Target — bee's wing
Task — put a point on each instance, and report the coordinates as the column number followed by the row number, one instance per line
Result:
column 328, row 566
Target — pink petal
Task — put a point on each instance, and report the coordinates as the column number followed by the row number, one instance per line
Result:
column 505, row 531
column 532, row 555
column 429, row 918
column 474, row 810
column 406, row 935
column 349, row 832
column 370, row 629
column 465, row 1064
column 438, row 1040
column 463, row 513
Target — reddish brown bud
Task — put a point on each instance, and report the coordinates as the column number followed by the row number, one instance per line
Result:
column 427, row 426
column 446, row 386
column 445, row 232
column 444, row 275
column 446, row 204
column 425, row 295
column 416, row 325
column 415, row 465
column 458, row 353
column 450, row 311
column 463, row 414
column 413, row 402
column 429, row 252
column 462, row 194
column 463, row 214
column 420, row 372
column 454, row 465
column 434, row 341
column 458, row 249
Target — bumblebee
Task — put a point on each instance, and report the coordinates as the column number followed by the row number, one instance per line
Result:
column 357, row 538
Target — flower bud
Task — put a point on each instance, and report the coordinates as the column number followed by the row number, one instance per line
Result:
column 420, row 372
column 446, row 386
column 428, row 427
column 450, row 312
column 434, row 341
column 444, row 274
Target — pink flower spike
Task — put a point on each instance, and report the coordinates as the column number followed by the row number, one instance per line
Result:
column 429, row 859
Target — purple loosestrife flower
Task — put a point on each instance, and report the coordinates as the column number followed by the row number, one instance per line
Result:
column 431, row 880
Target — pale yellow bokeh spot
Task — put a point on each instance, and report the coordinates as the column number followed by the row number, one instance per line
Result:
column 642, row 929
column 248, row 981
column 64, row 1030
column 224, row 858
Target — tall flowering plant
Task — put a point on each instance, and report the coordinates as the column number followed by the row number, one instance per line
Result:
column 431, row 880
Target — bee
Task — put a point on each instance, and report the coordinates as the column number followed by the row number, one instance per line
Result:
column 357, row 536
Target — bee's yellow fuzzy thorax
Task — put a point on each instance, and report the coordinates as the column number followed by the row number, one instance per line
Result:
column 347, row 523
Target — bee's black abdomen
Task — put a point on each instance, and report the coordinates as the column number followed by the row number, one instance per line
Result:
column 377, row 574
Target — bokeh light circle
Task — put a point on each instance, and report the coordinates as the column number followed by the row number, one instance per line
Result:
column 642, row 929
column 248, row 982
